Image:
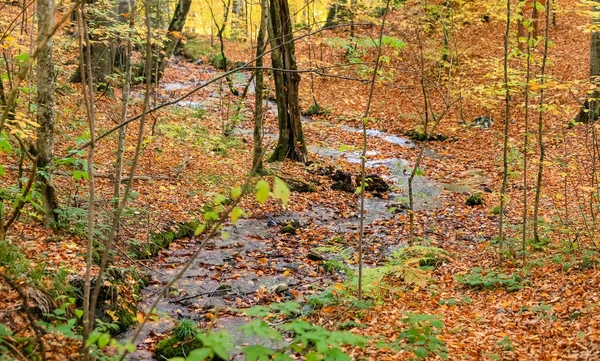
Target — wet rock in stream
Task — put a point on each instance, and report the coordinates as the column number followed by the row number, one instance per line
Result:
column 342, row 181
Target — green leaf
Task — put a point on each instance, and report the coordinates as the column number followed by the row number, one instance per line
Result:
column 421, row 352
column 2, row 171
column 211, row 216
column 258, row 311
column 103, row 340
column 199, row 230
column 257, row 353
column 236, row 213
column 4, row 144
column 200, row 354
column 79, row 313
column 281, row 191
column 262, row 191
column 261, row 329
column 236, row 192
column 219, row 199
column 79, row 174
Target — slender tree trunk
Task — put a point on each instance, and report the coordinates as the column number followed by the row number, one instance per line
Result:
column 526, row 145
column 291, row 144
column 538, row 186
column 259, row 87
column 590, row 111
column 124, row 108
column 505, row 142
column 88, row 96
column 364, row 155
column 45, row 111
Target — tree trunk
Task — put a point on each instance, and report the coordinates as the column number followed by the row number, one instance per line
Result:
column 128, row 8
column 332, row 15
column 590, row 111
column 102, row 49
column 174, row 38
column 257, row 161
column 45, row 111
column 291, row 144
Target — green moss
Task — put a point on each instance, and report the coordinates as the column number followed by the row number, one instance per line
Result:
column 195, row 49
column 474, row 200
column 218, row 61
column 288, row 229
column 316, row 109
column 182, row 341
column 161, row 240
column 172, row 347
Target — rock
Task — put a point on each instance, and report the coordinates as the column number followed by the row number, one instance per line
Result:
column 397, row 207
column 313, row 256
column 318, row 168
column 484, row 122
column 271, row 221
column 279, row 288
column 288, row 229
column 300, row 186
column 375, row 184
column 343, row 181
column 200, row 61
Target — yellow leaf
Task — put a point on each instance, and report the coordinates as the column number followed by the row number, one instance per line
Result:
column 112, row 315
column 139, row 317
column 338, row 286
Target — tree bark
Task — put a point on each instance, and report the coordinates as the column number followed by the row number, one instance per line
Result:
column 127, row 8
column 174, row 38
column 45, row 111
column 102, row 49
column 257, row 161
column 590, row 111
column 291, row 144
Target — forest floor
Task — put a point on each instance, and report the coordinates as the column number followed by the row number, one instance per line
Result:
column 543, row 309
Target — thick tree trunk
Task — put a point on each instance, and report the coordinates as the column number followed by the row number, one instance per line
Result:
column 291, row 144
column 174, row 38
column 45, row 111
column 590, row 111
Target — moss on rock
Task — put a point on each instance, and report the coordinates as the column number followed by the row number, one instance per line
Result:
column 162, row 240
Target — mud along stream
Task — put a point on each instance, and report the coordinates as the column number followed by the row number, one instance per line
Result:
column 222, row 277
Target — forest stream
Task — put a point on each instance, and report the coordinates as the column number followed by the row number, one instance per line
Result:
column 219, row 280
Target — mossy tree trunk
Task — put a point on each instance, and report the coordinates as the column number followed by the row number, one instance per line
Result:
column 590, row 111
column 103, row 47
column 174, row 37
column 45, row 111
column 291, row 144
